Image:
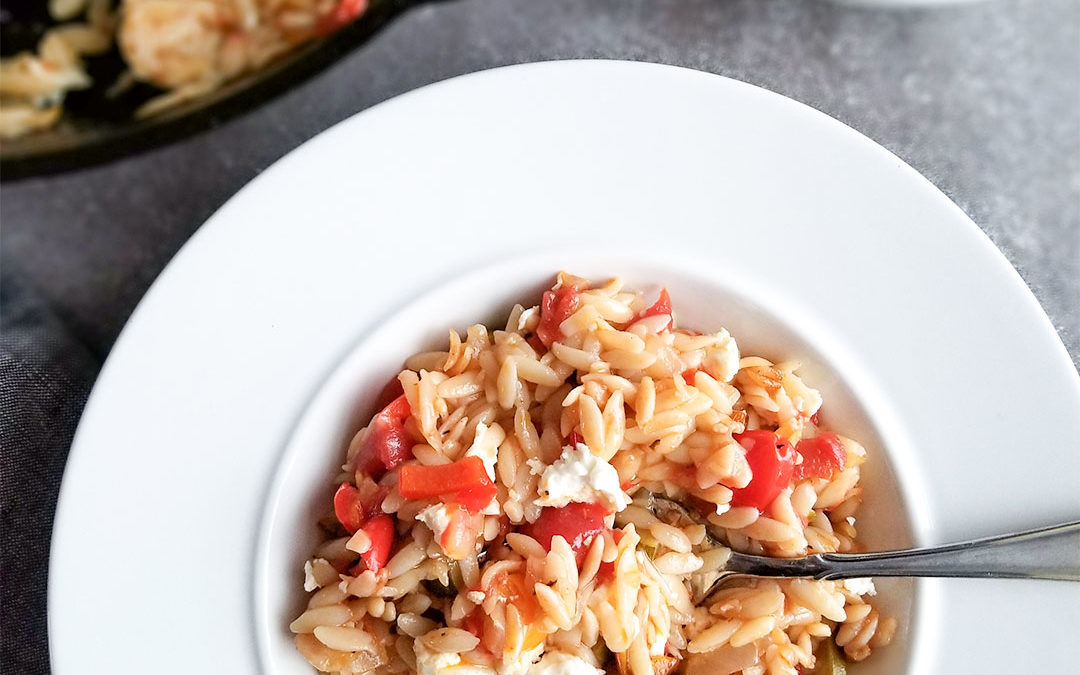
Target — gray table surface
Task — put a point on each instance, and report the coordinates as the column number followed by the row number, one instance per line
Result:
column 983, row 99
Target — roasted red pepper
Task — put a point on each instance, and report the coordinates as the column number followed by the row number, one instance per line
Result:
column 465, row 482
column 380, row 530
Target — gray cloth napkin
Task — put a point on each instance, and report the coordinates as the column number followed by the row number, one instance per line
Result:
column 45, row 377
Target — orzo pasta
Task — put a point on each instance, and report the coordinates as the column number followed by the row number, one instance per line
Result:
column 498, row 515
column 187, row 48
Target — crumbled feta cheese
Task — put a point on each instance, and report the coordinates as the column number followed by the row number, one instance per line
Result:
column 580, row 476
column 536, row 466
column 862, row 586
column 484, row 448
column 561, row 663
column 436, row 518
column 430, row 662
column 722, row 359
column 659, row 646
column 526, row 317
column 476, row 597
column 310, row 583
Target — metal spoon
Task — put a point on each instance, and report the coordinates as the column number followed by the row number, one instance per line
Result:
column 1045, row 553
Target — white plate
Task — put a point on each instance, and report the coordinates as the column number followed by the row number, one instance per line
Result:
column 163, row 543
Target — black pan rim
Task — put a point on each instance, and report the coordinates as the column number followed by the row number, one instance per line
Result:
column 186, row 120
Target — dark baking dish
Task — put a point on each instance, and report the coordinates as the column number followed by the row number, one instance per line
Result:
column 97, row 129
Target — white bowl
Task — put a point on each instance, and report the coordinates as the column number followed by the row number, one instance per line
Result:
column 763, row 323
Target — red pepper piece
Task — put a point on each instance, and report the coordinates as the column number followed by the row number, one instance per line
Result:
column 465, row 481
column 380, row 530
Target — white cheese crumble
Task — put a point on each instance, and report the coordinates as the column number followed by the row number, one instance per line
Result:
column 580, row 476
column 476, row 597
column 862, row 586
column 310, row 583
column 722, row 360
column 430, row 662
column 436, row 518
column 520, row 665
column 526, row 317
column 484, row 448
column 659, row 646
column 561, row 663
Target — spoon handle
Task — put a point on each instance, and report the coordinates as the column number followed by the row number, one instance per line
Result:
column 1045, row 553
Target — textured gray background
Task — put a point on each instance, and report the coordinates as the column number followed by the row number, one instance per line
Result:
column 983, row 99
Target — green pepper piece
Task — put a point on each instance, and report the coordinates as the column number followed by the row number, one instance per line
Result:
column 829, row 660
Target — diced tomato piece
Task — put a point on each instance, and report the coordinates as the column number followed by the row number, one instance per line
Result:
column 348, row 507
column 607, row 569
column 373, row 502
column 380, row 530
column 391, row 442
column 463, row 527
column 474, row 623
column 389, row 394
column 605, row 572
column 574, row 439
column 556, row 307
column 398, row 409
column 387, row 445
column 772, row 461
column 366, row 461
column 465, row 482
column 576, row 522
column 510, row 588
column 353, row 507
column 688, row 375
column 822, row 455
column 683, row 475
column 537, row 344
column 342, row 13
column 662, row 307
